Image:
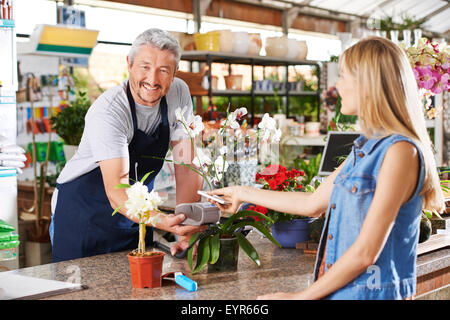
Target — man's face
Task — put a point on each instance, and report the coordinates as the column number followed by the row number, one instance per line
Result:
column 151, row 74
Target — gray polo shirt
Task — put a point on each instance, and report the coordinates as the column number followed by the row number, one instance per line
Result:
column 109, row 127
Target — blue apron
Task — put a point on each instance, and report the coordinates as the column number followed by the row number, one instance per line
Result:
column 83, row 225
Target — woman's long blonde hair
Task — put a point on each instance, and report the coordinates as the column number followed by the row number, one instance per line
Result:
column 389, row 103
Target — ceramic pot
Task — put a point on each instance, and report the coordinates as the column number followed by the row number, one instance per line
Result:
column 225, row 40
column 303, row 52
column 146, row 271
column 233, row 82
column 255, row 44
column 276, row 47
column 241, row 42
column 293, row 49
column 289, row 233
column 207, row 41
column 312, row 128
column 228, row 256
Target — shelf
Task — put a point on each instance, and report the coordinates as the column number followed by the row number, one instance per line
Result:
column 304, row 140
column 227, row 93
column 224, row 57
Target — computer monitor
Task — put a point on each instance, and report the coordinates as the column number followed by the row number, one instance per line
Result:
column 339, row 144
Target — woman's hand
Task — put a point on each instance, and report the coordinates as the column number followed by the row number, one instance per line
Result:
column 233, row 195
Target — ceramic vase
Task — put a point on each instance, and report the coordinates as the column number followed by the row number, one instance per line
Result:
column 241, row 42
column 146, row 271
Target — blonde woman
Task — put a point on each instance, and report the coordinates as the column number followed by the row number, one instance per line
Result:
column 373, row 201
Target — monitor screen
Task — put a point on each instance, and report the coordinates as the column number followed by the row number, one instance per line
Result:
column 338, row 147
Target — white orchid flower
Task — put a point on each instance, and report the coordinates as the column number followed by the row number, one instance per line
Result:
column 223, row 150
column 240, row 113
column 196, row 125
column 179, row 114
column 202, row 160
column 220, row 166
column 269, row 129
column 140, row 201
column 276, row 136
column 232, row 121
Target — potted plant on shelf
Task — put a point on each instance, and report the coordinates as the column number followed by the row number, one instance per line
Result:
column 212, row 164
column 145, row 266
column 69, row 123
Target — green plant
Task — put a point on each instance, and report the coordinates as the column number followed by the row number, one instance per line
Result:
column 69, row 123
column 208, row 249
column 311, row 168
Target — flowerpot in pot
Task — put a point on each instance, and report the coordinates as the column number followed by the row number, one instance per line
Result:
column 69, row 151
column 233, row 82
column 255, row 44
column 303, row 52
column 293, row 49
column 289, row 233
column 241, row 42
column 228, row 256
column 146, row 270
column 276, row 47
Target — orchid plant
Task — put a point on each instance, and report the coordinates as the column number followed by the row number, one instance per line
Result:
column 140, row 204
column 214, row 163
column 431, row 67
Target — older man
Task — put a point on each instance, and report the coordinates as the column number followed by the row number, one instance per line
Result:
column 127, row 129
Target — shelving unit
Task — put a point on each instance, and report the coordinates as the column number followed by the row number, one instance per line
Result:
column 8, row 129
column 210, row 57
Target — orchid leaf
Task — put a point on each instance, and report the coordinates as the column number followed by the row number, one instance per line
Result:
column 203, row 253
column 117, row 209
column 241, row 214
column 122, row 186
column 193, row 238
column 215, row 248
column 146, row 176
column 260, row 227
column 248, row 248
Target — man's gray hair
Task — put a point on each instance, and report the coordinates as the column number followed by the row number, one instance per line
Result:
column 158, row 38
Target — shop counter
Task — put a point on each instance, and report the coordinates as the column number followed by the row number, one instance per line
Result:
column 107, row 276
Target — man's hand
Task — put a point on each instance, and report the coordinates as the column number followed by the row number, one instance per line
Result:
column 172, row 223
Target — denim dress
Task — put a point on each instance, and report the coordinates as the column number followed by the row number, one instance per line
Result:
column 393, row 276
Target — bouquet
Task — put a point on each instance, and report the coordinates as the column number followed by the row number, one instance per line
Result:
column 331, row 98
column 431, row 67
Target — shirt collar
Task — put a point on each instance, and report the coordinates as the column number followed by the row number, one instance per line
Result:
column 366, row 145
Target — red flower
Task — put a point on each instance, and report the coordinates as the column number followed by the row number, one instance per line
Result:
column 262, row 210
column 273, row 184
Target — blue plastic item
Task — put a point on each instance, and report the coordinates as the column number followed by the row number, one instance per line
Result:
column 189, row 284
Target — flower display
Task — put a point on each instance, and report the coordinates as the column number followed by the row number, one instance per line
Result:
column 431, row 67
column 213, row 165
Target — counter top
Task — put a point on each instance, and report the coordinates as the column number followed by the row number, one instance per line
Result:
column 108, row 276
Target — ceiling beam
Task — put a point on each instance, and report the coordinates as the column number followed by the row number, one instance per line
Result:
column 436, row 12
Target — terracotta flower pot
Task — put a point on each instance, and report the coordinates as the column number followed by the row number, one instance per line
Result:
column 146, row 271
